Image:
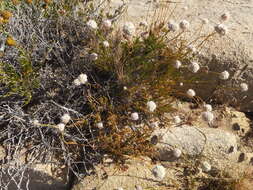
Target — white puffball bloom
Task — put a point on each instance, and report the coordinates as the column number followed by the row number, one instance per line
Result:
column 65, row 118
column 221, row 29
column 177, row 64
column 92, row 25
column 224, row 75
column 100, row 125
column 177, row 152
column 173, row 26
column 129, row 28
column 191, row 93
column 176, row 119
column 194, row 67
column 208, row 116
column 134, row 116
column 82, row 78
column 124, row 88
column 159, row 172
column 151, row 106
column 144, row 23
column 206, row 167
column 208, row 107
column 106, row 44
column 77, row 82
column 225, row 16
column 205, row 21
column 36, row 122
column 107, row 24
column 61, row 127
column 181, row 84
column 184, row 24
column 93, row 56
column 244, row 87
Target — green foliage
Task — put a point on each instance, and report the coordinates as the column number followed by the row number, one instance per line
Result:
column 21, row 81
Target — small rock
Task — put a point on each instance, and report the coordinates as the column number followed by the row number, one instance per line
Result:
column 159, row 172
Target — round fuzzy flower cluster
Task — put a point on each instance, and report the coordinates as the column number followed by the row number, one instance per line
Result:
column 173, row 26
column 107, row 24
column 81, row 79
column 191, row 93
column 184, row 24
column 93, row 56
column 92, row 25
column 176, row 119
column 151, row 106
column 224, row 75
column 177, row 64
column 106, row 44
column 159, row 172
column 65, row 118
column 61, row 127
column 100, row 125
column 221, row 29
column 134, row 116
column 194, row 67
column 129, row 28
column 208, row 116
column 244, row 87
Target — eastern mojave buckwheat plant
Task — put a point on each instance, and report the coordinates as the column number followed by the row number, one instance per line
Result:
column 74, row 86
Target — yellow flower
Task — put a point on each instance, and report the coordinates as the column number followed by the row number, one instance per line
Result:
column 10, row 41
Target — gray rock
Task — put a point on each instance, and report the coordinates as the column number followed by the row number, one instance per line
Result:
column 193, row 141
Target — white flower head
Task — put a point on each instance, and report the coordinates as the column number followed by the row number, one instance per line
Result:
column 124, row 88
column 106, row 44
column 177, row 64
column 206, row 167
column 194, row 67
column 107, row 24
column 93, row 56
column 134, row 116
column 77, row 82
column 205, row 21
column 176, row 119
column 129, row 28
column 65, row 118
column 159, row 172
column 61, row 127
column 225, row 16
column 92, row 25
column 173, row 26
column 207, row 116
column 151, row 106
column 100, row 125
column 35, row 122
column 224, row 75
column 184, row 24
column 221, row 29
column 208, row 107
column 82, row 78
column 191, row 93
column 177, row 152
column 144, row 23
column 181, row 84
column 244, row 87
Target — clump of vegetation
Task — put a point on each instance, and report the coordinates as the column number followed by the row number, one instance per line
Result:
column 74, row 88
